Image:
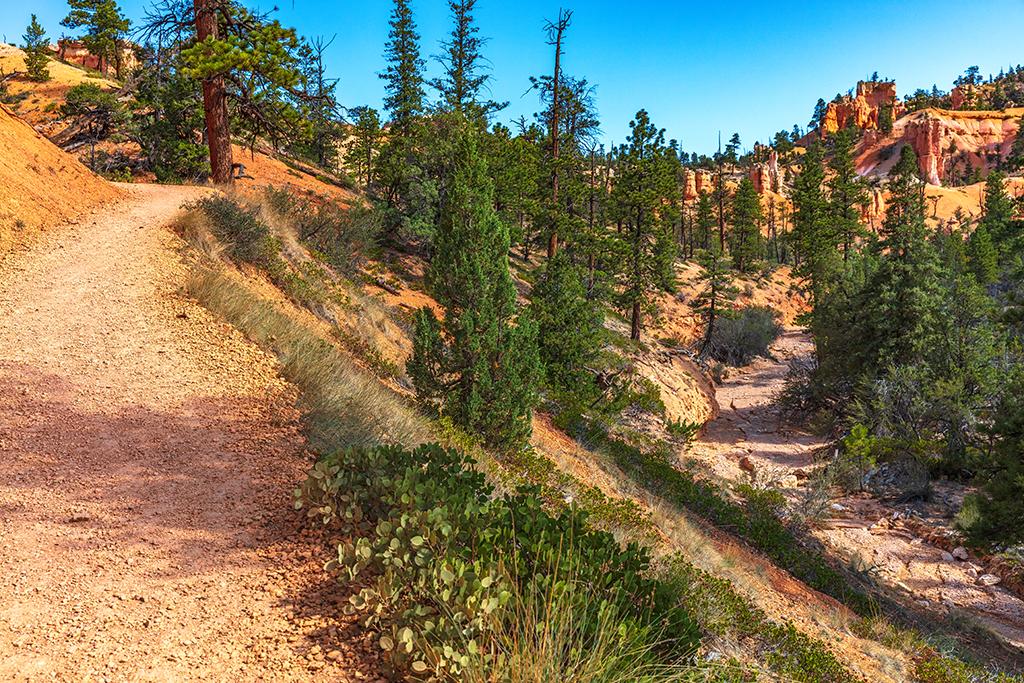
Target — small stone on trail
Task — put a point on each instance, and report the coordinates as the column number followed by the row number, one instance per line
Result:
column 988, row 580
column 960, row 553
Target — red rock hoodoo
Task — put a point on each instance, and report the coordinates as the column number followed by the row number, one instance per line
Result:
column 863, row 109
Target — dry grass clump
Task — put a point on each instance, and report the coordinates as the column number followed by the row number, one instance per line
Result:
column 344, row 405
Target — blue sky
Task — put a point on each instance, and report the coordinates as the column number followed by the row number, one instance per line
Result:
column 697, row 67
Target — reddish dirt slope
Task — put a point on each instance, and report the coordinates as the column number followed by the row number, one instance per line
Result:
column 265, row 170
column 39, row 184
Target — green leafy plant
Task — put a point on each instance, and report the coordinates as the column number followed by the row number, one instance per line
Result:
column 441, row 556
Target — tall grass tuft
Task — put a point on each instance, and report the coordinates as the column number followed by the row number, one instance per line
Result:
column 546, row 638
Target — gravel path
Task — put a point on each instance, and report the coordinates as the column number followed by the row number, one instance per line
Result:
column 147, row 455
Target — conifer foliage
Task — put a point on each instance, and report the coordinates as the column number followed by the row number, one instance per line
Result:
column 464, row 77
column 403, row 76
column 105, row 30
column 746, row 244
column 569, row 326
column 480, row 364
column 36, row 48
column 648, row 244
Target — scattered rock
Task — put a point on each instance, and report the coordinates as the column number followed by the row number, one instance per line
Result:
column 988, row 580
column 747, row 465
column 960, row 553
column 836, row 507
column 77, row 517
column 901, row 480
column 947, row 557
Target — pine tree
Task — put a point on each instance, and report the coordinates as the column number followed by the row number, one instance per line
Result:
column 645, row 183
column 717, row 292
column 982, row 257
column 902, row 300
column 366, row 135
column 406, row 178
column 465, row 77
column 515, row 166
column 250, row 70
column 745, row 240
column 480, row 366
column 885, row 121
column 1000, row 504
column 556, row 37
column 36, row 49
column 569, row 326
column 403, row 75
column 168, row 117
column 813, row 233
column 105, row 30
column 705, row 221
column 997, row 213
column 721, row 194
column 818, row 118
column 319, row 107
column 732, row 148
column 846, row 192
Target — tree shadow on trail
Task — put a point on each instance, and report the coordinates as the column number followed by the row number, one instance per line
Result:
column 204, row 482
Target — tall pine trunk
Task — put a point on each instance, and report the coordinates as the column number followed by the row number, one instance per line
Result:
column 215, row 102
column 563, row 23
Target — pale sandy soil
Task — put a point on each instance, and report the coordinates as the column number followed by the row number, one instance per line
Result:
column 897, row 551
column 147, row 455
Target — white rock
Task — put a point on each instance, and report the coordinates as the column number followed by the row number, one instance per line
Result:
column 988, row 580
column 836, row 507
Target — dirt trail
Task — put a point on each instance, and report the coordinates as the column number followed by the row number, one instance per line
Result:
column 748, row 441
column 147, row 454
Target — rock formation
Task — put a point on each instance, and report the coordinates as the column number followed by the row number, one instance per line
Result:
column 863, row 109
column 75, row 52
column 765, row 175
column 948, row 144
column 961, row 95
column 696, row 182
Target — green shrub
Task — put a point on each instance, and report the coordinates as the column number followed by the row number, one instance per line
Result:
column 683, row 431
column 345, row 235
column 724, row 614
column 740, row 336
column 247, row 237
column 443, row 558
column 948, row 670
